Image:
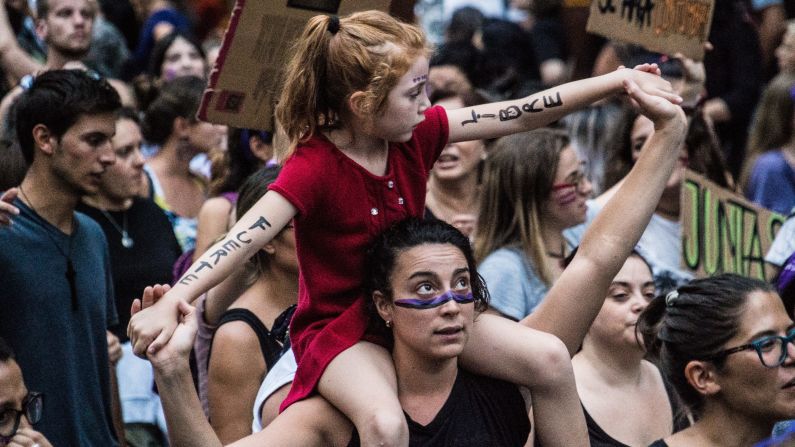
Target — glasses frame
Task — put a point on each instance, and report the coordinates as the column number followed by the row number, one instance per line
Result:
column 31, row 397
column 757, row 346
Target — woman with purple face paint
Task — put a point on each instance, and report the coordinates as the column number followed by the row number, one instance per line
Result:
column 534, row 187
column 176, row 55
column 425, row 296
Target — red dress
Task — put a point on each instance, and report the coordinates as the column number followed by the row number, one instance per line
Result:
column 341, row 207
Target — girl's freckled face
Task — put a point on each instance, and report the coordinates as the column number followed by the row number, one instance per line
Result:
column 406, row 104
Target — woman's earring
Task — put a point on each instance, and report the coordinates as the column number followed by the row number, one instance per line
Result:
column 388, row 323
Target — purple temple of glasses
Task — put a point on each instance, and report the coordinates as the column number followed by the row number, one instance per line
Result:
column 416, row 303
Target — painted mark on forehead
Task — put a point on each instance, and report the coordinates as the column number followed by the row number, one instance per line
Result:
column 419, row 79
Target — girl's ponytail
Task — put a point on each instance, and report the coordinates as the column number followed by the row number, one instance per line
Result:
column 304, row 104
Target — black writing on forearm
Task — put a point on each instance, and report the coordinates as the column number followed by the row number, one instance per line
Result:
column 513, row 112
column 228, row 245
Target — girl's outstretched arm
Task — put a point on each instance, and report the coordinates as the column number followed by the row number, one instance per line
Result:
column 577, row 296
column 539, row 109
column 152, row 327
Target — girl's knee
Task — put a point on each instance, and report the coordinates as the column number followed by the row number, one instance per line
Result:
column 385, row 428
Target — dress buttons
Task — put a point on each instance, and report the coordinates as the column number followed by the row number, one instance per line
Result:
column 390, row 184
column 400, row 200
column 374, row 211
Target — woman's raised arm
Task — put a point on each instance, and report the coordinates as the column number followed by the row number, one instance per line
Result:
column 577, row 296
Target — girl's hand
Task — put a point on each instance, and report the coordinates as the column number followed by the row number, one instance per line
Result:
column 648, row 68
column 154, row 319
column 647, row 78
column 175, row 353
column 659, row 109
column 6, row 208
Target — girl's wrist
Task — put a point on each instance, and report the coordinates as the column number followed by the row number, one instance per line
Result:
column 619, row 76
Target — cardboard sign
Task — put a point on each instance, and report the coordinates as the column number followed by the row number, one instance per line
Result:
column 722, row 232
column 243, row 85
column 665, row 26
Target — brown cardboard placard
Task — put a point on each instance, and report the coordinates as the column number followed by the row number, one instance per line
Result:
column 242, row 87
column 724, row 232
column 665, row 26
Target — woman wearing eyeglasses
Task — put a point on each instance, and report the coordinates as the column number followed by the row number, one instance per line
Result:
column 534, row 187
column 19, row 408
column 725, row 343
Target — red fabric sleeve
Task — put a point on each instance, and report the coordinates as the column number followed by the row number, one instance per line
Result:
column 300, row 178
column 431, row 135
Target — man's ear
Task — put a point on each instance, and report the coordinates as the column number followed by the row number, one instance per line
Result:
column 359, row 105
column 43, row 139
column 703, row 377
column 383, row 305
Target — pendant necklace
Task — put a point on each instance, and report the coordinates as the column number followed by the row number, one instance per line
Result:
column 70, row 269
column 126, row 240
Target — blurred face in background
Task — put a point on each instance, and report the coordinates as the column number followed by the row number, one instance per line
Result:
column 566, row 205
column 785, row 53
column 630, row 292
column 125, row 179
column 460, row 159
column 207, row 137
column 67, row 26
column 182, row 59
column 642, row 130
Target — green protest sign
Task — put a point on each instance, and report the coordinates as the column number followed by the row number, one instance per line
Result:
column 724, row 232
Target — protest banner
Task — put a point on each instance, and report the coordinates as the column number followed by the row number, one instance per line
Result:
column 722, row 232
column 243, row 84
column 665, row 26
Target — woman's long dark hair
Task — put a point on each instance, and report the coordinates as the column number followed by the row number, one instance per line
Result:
column 412, row 232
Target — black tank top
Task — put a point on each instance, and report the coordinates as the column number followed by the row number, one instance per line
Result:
column 272, row 343
column 599, row 438
column 480, row 411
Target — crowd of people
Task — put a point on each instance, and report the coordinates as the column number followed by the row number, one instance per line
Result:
column 471, row 242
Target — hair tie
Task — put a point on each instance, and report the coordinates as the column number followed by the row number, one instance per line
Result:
column 333, row 24
column 670, row 299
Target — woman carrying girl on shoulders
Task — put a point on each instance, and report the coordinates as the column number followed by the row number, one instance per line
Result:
column 363, row 139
